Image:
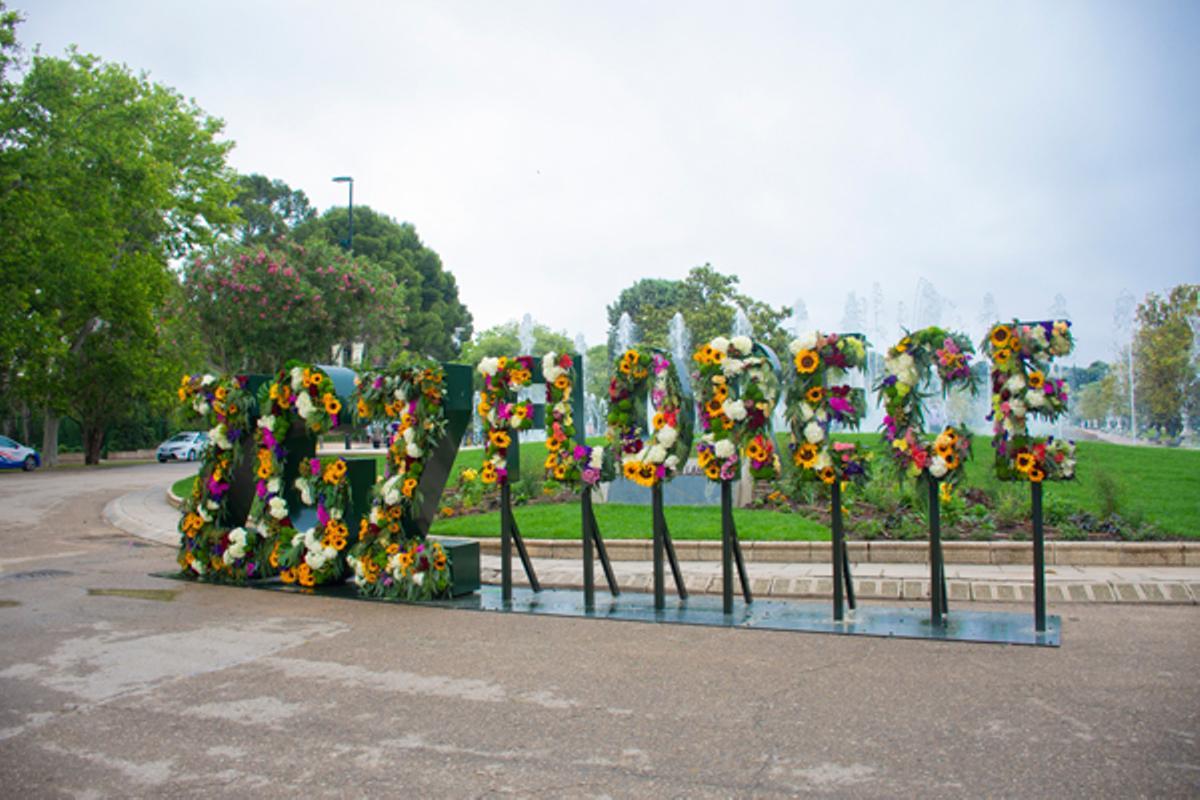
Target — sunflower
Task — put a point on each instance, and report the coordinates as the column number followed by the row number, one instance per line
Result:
column 221, row 393
column 553, row 445
column 807, row 362
column 704, row 458
column 288, row 575
column 720, row 393
column 1036, row 379
column 395, row 512
column 806, row 455
column 410, row 486
column 1001, row 356
column 1001, row 336
column 487, row 473
column 560, row 472
column 501, row 439
column 660, row 419
column 647, row 474
column 1024, row 462
column 951, row 460
column 405, row 560
column 562, row 383
column 304, row 575
column 828, row 475
column 1036, row 475
column 757, row 450
column 946, row 490
column 332, row 404
column 814, row 395
column 439, row 562
column 717, row 357
column 630, row 470
column 704, row 354
column 713, row 470
column 484, row 405
column 714, row 407
column 551, row 461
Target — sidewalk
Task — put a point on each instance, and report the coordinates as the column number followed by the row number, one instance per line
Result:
column 147, row 514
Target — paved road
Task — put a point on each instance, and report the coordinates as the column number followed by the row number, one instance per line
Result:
column 220, row 691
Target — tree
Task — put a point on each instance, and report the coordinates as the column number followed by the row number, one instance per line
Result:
column 256, row 308
column 437, row 323
column 270, row 209
column 104, row 176
column 708, row 301
column 504, row 340
column 1164, row 367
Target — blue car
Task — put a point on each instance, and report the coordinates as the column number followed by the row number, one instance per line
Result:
column 18, row 456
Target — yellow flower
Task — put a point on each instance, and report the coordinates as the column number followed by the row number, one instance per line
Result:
column 501, row 439
column 1001, row 336
column 807, row 361
column 468, row 475
column 332, row 405
column 947, row 492
column 630, row 470
column 814, row 395
column 551, row 461
column 363, row 411
column 1036, row 379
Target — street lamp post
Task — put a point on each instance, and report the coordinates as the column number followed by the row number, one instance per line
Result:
column 349, row 180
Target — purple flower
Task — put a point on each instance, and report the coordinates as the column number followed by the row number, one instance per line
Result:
column 322, row 514
column 261, row 489
column 315, row 467
column 582, row 452
column 249, row 569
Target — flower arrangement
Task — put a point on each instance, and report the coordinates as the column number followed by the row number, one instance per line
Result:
column 414, row 570
column 736, row 391
column 308, row 392
column 648, row 462
column 503, row 414
column 1021, row 354
column 566, row 462
column 910, row 364
column 208, row 549
column 814, row 403
column 387, row 561
column 314, row 556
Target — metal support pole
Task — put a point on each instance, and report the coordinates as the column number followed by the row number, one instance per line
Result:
column 613, row 589
column 505, row 543
column 534, row 584
column 937, row 601
column 659, row 529
column 589, row 578
column 727, row 546
column 1039, row 561
column 839, row 552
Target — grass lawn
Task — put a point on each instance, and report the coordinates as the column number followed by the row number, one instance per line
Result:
column 562, row 521
column 1159, row 485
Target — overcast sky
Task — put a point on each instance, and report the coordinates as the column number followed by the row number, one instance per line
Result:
column 554, row 153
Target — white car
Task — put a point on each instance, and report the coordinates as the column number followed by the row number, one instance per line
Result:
column 183, row 446
column 14, row 455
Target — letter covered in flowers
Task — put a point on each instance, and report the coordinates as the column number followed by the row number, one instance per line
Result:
column 736, row 388
column 209, row 548
column 816, row 400
column 910, row 364
column 391, row 559
column 648, row 462
column 568, row 460
column 504, row 415
column 1021, row 354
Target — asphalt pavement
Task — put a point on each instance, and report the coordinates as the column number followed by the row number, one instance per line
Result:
column 117, row 684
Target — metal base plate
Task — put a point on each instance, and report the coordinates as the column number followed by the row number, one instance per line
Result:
column 996, row 627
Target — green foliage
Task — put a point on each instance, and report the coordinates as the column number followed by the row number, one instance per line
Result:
column 1166, row 372
column 708, row 301
column 270, row 209
column 435, row 322
column 504, row 340
column 257, row 308
column 104, row 176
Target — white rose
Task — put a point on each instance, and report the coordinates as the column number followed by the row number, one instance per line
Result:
column 489, row 365
column 391, row 491
column 335, row 513
column 596, row 459
column 304, row 405
column 720, row 344
column 204, row 515
column 1035, row 398
column 228, row 557
column 202, row 408
column 821, row 414
column 311, row 541
column 238, row 536
column 672, row 463
column 315, row 560
column 734, row 409
column 1015, row 384
column 297, row 538
column 208, row 380
column 806, row 411
column 937, row 467
column 656, row 454
column 1068, row 467
column 297, row 378
column 814, row 433
column 211, row 505
column 742, row 344
column 409, row 435
column 667, row 436
column 1017, row 407
column 732, row 366
column 219, row 438
column 330, row 553
column 823, row 461
column 724, row 449
column 376, row 515
column 805, row 341
column 418, row 578
column 274, row 485
column 278, row 507
column 412, row 450
column 267, row 422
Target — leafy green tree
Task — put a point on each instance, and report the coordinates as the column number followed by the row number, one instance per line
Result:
column 270, row 209
column 104, row 177
column 256, row 308
column 504, row 340
column 437, row 322
column 1164, row 367
column 708, row 301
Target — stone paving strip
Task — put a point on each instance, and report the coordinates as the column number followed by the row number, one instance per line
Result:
column 904, row 581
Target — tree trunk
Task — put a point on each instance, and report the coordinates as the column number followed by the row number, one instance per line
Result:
column 93, row 440
column 49, row 438
column 25, row 424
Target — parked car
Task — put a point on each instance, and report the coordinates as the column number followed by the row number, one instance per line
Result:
column 14, row 455
column 183, row 446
